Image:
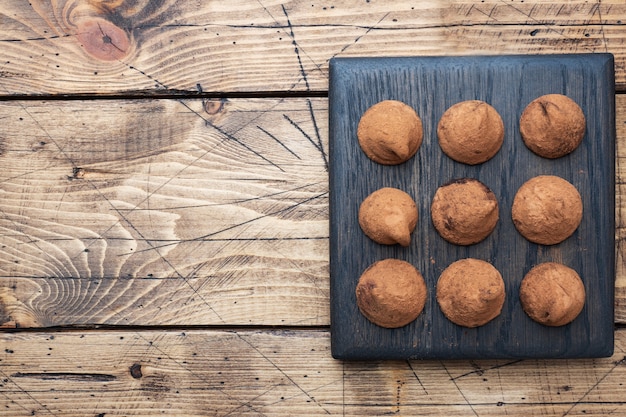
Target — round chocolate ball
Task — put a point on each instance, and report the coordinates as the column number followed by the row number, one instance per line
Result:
column 464, row 211
column 552, row 125
column 391, row 293
column 388, row 216
column 552, row 294
column 390, row 132
column 471, row 132
column 470, row 292
column 547, row 209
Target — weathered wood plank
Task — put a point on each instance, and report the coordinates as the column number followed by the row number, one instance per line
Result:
column 198, row 373
column 74, row 47
column 164, row 212
column 157, row 212
column 620, row 210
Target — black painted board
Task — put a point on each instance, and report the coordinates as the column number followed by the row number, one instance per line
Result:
column 430, row 85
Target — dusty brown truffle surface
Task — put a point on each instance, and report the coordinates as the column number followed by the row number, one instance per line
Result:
column 552, row 125
column 471, row 132
column 547, row 209
column 470, row 292
column 388, row 216
column 464, row 211
column 552, row 294
column 391, row 293
column 390, row 132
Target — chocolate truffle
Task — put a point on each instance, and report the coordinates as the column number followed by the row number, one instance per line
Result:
column 552, row 125
column 388, row 216
column 552, row 294
column 470, row 132
column 391, row 293
column 464, row 211
column 470, row 292
column 547, row 209
column 390, row 132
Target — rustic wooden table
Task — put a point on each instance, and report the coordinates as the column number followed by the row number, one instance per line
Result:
column 164, row 208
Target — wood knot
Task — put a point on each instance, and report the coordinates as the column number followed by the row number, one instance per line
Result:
column 103, row 40
column 135, row 371
column 213, row 105
column 78, row 173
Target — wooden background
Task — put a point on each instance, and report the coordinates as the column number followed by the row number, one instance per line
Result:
column 164, row 208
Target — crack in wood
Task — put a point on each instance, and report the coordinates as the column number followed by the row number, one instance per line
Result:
column 66, row 376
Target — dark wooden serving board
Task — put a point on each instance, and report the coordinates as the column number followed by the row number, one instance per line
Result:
column 431, row 85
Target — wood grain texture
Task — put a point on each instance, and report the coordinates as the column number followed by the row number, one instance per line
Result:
column 164, row 212
column 215, row 212
column 271, row 269
column 220, row 373
column 164, row 46
column 620, row 210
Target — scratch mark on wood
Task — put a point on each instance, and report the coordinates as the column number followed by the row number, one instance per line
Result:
column 39, row 38
column 290, row 26
column 317, row 144
column 234, row 226
column 598, row 382
column 322, row 291
column 489, row 14
column 248, row 403
column 480, row 371
column 549, row 27
column 278, row 368
column 358, row 38
column 296, row 49
column 229, row 203
column 417, row 378
column 139, row 233
column 317, row 134
column 467, row 401
column 597, row 8
column 278, row 141
column 28, row 394
column 297, row 126
column 158, row 348
column 150, row 77
column 227, row 136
